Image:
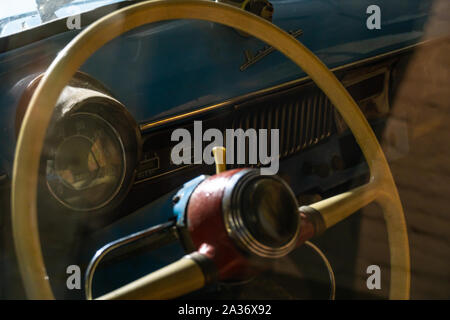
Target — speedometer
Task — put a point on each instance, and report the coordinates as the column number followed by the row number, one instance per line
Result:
column 87, row 165
column 91, row 151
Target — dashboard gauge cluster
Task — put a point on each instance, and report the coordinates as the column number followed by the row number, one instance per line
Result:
column 87, row 167
column 91, row 151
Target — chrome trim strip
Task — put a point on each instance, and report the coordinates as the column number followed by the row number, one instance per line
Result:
column 327, row 264
column 117, row 244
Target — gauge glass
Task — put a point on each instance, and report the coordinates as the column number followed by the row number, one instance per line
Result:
column 86, row 164
column 270, row 212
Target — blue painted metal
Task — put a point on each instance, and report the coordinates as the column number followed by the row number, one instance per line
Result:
column 168, row 67
column 183, row 195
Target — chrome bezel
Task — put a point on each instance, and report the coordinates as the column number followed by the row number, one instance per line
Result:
column 121, row 179
column 93, row 100
column 234, row 223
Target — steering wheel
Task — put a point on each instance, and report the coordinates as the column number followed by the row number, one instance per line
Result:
column 166, row 282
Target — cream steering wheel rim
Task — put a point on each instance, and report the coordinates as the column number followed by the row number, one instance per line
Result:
column 381, row 187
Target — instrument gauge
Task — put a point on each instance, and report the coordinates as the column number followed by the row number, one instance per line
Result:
column 92, row 147
column 87, row 165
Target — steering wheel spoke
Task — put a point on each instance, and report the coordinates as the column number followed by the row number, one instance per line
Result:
column 178, row 278
column 335, row 209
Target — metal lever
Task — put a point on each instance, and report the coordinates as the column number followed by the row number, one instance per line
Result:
column 220, row 159
column 166, row 231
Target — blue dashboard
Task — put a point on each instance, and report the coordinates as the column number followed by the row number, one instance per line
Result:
column 175, row 66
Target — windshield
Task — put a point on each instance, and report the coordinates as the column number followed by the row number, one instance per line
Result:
column 20, row 15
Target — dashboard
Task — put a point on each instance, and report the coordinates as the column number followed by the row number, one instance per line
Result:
column 99, row 161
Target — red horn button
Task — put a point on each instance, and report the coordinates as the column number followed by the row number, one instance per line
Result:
column 251, row 231
column 207, row 227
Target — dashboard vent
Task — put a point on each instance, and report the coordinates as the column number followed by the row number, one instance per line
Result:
column 304, row 119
